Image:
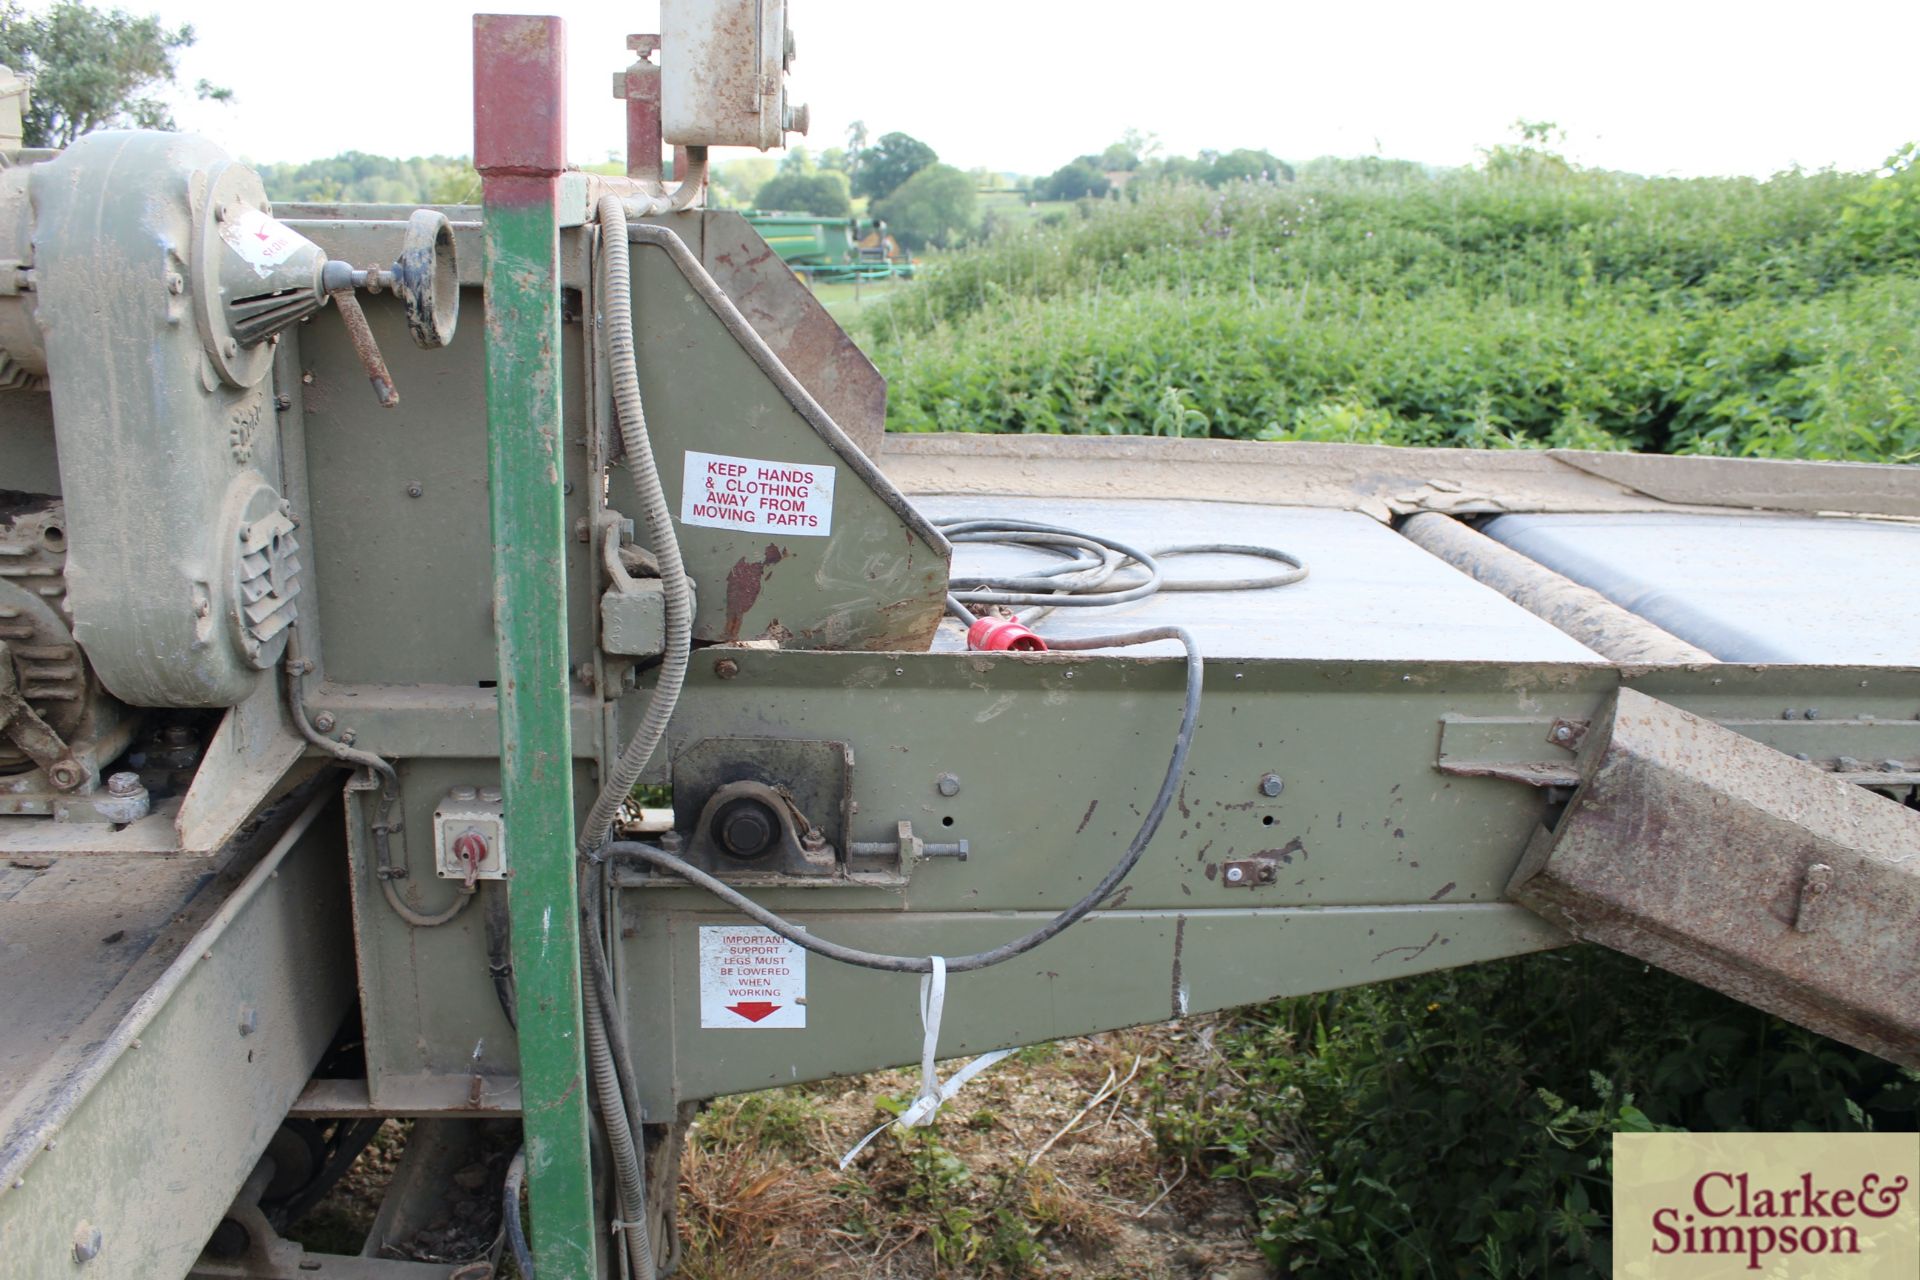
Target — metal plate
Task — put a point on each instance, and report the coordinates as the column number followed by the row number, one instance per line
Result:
column 1370, row 594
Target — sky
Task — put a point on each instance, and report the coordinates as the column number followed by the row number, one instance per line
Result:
column 1679, row 88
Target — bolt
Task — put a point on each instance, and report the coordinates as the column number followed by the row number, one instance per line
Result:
column 1893, row 766
column 86, row 1242
column 947, row 784
column 726, row 668
column 814, row 841
column 671, row 842
column 229, row 348
column 64, row 775
column 415, row 488
column 178, row 735
column 175, row 285
column 1561, row 733
column 123, row 784
column 283, row 403
column 1235, row 875
column 463, row 793
column 1813, row 713
column 324, row 722
column 1270, row 785
column 249, row 1020
column 1789, row 714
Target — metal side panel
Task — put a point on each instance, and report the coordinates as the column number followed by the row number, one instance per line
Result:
column 147, row 1138
column 1730, row 863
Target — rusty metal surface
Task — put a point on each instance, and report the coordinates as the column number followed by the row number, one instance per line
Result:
column 1581, row 612
column 1727, row 862
column 1383, row 481
column 785, row 313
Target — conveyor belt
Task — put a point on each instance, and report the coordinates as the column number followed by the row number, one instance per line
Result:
column 1371, row 593
column 1746, row 588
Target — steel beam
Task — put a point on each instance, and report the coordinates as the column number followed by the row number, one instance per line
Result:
column 519, row 149
column 1730, row 863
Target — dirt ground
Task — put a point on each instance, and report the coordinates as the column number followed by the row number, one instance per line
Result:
column 1043, row 1167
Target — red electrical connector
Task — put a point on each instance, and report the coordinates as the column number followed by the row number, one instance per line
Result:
column 994, row 634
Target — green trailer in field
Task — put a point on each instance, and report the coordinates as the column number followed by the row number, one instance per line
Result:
column 832, row 249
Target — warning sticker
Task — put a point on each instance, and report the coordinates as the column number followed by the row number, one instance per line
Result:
column 263, row 242
column 751, row 977
column 750, row 493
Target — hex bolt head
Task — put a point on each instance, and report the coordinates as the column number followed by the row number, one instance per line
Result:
column 415, row 488
column 324, row 722
column 726, row 668
column 947, row 784
column 1561, row 733
column 123, row 784
column 86, row 1242
column 1235, row 875
column 1271, row 785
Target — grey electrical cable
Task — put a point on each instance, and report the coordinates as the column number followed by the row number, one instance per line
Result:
column 1169, row 786
column 616, row 310
column 389, row 820
column 1091, row 576
column 510, row 1211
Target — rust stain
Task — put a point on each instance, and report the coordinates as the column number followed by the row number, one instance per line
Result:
column 1445, row 889
column 744, row 581
column 1286, row 851
column 1087, row 817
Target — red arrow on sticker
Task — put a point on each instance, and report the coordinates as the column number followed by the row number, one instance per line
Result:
column 752, row 1010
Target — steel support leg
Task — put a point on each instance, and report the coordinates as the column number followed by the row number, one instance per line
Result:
column 519, row 149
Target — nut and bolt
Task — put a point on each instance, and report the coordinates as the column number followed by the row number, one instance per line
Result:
column 123, row 784
column 324, row 722
column 814, row 841
column 726, row 668
column 1271, row 785
column 175, row 284
column 86, row 1242
column 1813, row 713
column 671, row 841
column 1561, row 733
column 947, row 784
column 64, row 775
column 1236, row 874
column 415, row 488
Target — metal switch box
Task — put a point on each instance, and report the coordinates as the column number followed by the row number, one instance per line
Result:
column 723, row 77
column 470, row 835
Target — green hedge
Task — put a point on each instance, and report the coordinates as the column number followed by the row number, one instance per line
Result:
column 1539, row 307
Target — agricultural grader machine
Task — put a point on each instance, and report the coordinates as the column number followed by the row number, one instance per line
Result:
column 485, row 665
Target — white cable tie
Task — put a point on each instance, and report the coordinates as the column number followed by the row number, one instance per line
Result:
column 933, row 1094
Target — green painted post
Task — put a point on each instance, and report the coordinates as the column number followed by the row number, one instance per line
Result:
column 519, row 149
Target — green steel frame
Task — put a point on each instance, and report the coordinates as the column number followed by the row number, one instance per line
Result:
column 519, row 138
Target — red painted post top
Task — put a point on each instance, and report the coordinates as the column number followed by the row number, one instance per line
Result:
column 519, row 94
